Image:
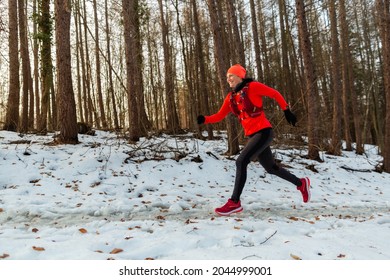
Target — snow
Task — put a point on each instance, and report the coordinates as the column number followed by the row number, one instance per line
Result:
column 107, row 199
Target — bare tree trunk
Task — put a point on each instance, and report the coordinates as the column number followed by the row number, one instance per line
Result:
column 256, row 40
column 222, row 62
column 110, row 79
column 335, row 147
column 203, row 85
column 310, row 81
column 66, row 104
column 348, row 78
column 12, row 115
column 36, row 68
column 90, row 112
column 383, row 11
column 172, row 117
column 26, row 71
column 267, row 71
column 133, row 73
column 238, row 50
column 45, row 30
column 79, row 58
column 102, row 112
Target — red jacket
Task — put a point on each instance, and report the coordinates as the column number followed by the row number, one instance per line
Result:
column 256, row 91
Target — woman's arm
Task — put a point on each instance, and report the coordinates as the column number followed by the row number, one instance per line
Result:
column 222, row 113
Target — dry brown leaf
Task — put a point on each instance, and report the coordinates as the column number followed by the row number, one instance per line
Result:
column 149, row 259
column 38, row 248
column 294, row 218
column 35, row 230
column 341, row 256
column 116, row 251
column 1, row 210
column 83, row 230
column 4, row 256
column 295, row 257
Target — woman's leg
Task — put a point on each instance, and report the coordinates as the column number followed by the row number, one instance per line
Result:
column 256, row 144
column 267, row 160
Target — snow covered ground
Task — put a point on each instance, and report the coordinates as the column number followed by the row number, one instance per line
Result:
column 107, row 199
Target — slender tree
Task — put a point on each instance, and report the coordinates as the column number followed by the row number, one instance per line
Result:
column 222, row 64
column 310, row 81
column 45, row 34
column 383, row 11
column 111, row 91
column 335, row 147
column 203, row 82
column 66, row 103
column 172, row 117
column 12, row 114
column 132, row 65
column 349, row 92
column 256, row 41
column 102, row 112
column 26, row 70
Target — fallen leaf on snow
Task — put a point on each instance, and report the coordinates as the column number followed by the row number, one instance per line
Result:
column 116, row 251
column 38, row 248
column 83, row 230
column 4, row 256
column 295, row 257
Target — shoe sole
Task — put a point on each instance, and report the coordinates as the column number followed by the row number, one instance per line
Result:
column 307, row 181
column 229, row 213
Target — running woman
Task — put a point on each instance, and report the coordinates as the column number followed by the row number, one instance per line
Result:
column 245, row 101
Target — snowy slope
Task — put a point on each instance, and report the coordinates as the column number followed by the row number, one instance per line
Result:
column 107, row 199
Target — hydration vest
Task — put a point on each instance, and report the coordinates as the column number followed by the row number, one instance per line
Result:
column 248, row 107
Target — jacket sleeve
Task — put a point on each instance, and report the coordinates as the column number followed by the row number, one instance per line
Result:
column 222, row 113
column 264, row 90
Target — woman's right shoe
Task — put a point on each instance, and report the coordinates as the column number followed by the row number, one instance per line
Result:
column 305, row 189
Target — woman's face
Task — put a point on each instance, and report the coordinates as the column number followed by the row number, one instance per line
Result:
column 233, row 80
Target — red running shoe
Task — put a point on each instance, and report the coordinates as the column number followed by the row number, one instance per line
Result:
column 305, row 189
column 229, row 208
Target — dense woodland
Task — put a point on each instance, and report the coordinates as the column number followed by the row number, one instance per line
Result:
column 149, row 66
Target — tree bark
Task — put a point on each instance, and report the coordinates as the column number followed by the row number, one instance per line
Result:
column 335, row 147
column 66, row 104
column 383, row 11
column 12, row 114
column 222, row 64
column 310, row 81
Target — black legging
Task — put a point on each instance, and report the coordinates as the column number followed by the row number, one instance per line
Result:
column 258, row 146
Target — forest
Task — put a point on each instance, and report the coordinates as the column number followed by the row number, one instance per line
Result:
column 152, row 66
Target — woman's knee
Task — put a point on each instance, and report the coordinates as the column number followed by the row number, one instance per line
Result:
column 242, row 161
column 272, row 169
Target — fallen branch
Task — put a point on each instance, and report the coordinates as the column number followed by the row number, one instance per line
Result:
column 269, row 237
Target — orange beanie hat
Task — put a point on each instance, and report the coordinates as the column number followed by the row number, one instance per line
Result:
column 237, row 70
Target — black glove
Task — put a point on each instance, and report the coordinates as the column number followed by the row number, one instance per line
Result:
column 290, row 117
column 201, row 119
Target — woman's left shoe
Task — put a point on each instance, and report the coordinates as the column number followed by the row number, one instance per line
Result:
column 229, row 208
